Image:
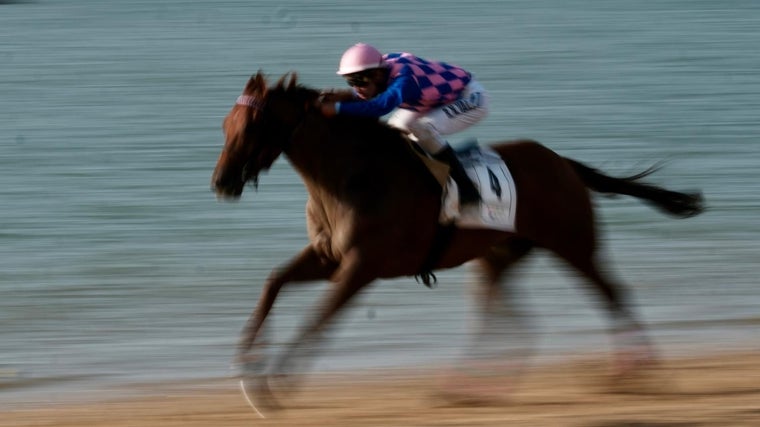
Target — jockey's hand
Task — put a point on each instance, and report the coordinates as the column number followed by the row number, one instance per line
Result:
column 336, row 95
column 327, row 109
column 328, row 95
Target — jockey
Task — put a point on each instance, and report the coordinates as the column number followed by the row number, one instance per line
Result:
column 431, row 99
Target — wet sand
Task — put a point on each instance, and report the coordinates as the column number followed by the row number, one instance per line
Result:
column 715, row 390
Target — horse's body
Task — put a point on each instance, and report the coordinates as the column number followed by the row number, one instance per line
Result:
column 372, row 209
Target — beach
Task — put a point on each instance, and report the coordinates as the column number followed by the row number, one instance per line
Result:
column 124, row 283
column 708, row 390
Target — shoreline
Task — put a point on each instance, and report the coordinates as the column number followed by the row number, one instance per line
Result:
column 721, row 389
column 20, row 392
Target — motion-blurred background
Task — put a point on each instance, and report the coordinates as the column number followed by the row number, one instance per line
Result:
column 117, row 264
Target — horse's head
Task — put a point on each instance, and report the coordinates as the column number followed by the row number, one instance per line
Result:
column 257, row 130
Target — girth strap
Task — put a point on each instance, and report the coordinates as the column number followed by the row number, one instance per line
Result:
column 441, row 242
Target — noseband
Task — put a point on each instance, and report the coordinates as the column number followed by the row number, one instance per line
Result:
column 249, row 101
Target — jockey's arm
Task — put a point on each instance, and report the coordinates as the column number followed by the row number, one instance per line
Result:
column 402, row 89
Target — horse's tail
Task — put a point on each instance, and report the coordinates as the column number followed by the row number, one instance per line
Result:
column 678, row 204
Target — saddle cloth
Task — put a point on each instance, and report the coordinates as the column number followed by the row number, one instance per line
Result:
column 498, row 204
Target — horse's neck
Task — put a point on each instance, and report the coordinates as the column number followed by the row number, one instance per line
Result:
column 328, row 153
column 315, row 155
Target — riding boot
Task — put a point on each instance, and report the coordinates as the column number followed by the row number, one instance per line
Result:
column 468, row 194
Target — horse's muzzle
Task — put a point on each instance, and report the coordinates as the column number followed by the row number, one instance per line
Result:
column 226, row 190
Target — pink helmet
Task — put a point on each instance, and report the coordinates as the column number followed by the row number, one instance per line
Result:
column 360, row 57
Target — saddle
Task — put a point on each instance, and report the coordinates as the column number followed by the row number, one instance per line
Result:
column 496, row 209
column 489, row 174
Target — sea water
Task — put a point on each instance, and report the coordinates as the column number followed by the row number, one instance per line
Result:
column 118, row 265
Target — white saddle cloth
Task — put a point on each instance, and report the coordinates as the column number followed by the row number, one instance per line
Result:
column 498, row 204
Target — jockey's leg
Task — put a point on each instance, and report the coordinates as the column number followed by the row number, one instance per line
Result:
column 468, row 194
column 430, row 140
column 422, row 129
column 457, row 116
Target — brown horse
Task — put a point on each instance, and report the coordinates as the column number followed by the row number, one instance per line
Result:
column 373, row 209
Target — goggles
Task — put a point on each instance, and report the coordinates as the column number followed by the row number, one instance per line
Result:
column 358, row 81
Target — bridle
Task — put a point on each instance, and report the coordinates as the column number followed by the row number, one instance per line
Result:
column 250, row 101
column 258, row 105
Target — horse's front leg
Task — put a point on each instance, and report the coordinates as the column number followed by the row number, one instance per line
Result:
column 305, row 267
column 352, row 276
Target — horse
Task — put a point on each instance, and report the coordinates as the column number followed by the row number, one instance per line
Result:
column 372, row 213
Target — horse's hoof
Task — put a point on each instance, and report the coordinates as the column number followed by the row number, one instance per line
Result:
column 461, row 389
column 455, row 398
column 258, row 396
column 640, row 373
column 634, row 362
column 254, row 383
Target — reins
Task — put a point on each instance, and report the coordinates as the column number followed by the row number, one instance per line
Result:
column 259, row 105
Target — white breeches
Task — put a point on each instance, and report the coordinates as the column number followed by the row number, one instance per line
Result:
column 427, row 127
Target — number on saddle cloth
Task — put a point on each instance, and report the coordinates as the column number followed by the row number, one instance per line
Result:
column 490, row 175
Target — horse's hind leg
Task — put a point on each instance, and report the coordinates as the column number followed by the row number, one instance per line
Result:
column 501, row 338
column 633, row 349
column 499, row 320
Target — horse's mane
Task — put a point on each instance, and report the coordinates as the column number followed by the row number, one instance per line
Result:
column 374, row 139
column 299, row 92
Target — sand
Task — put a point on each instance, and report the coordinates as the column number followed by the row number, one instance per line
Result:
column 714, row 390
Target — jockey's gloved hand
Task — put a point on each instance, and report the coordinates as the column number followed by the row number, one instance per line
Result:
column 336, row 95
column 328, row 109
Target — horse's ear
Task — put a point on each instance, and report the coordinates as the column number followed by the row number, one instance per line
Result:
column 256, row 84
column 281, row 82
column 292, row 83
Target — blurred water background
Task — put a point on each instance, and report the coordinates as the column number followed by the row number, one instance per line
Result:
column 117, row 264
